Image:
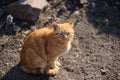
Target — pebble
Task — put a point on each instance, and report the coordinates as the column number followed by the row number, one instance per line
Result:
column 2, row 73
column 7, row 63
column 77, row 13
column 103, row 71
column 27, row 32
column 19, row 49
column 40, row 4
column 93, row 5
column 69, row 69
column 83, row 1
column 33, row 28
column 9, row 20
column 119, row 76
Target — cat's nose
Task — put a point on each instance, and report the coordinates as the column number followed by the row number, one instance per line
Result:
column 65, row 36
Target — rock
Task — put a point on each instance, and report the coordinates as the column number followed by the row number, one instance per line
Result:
column 33, row 28
column 40, row 4
column 27, row 32
column 83, row 1
column 28, row 10
column 93, row 5
column 103, row 71
column 76, row 13
column 9, row 20
column 19, row 49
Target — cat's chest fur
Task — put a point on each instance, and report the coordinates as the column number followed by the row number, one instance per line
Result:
column 57, row 49
column 67, row 47
column 63, row 48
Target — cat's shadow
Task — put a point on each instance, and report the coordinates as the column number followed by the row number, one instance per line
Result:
column 16, row 73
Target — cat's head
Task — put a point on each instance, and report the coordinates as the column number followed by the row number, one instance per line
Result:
column 64, row 31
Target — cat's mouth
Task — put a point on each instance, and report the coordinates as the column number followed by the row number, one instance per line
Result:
column 65, row 38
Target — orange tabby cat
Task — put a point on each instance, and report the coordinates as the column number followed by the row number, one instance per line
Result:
column 43, row 47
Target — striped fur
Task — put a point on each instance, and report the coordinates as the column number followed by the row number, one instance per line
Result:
column 42, row 48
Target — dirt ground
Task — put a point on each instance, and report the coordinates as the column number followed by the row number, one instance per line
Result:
column 95, row 52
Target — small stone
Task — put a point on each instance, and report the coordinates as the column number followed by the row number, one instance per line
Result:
column 118, row 75
column 77, row 49
column 69, row 69
column 2, row 73
column 83, row 60
column 9, row 20
column 7, row 63
column 27, row 32
column 93, row 5
column 103, row 71
column 33, row 28
column 106, row 21
column 40, row 4
column 83, row 1
column 19, row 49
column 77, row 13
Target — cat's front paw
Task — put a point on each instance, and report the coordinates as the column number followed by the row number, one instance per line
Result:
column 58, row 63
column 51, row 71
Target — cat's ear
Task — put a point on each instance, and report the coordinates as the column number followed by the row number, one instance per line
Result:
column 56, row 27
column 71, row 22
